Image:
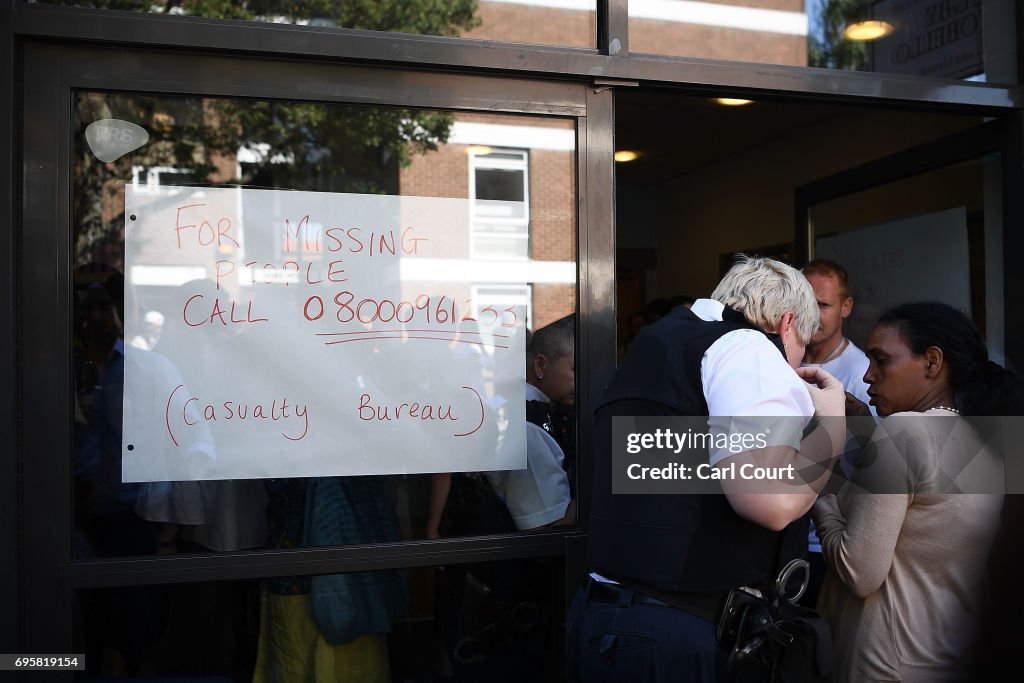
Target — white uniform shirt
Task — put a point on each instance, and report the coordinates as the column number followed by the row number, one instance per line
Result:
column 539, row 494
column 744, row 376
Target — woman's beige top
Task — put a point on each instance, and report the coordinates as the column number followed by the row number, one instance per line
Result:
column 906, row 581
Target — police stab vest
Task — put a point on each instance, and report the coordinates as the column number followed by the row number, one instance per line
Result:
column 676, row 542
column 560, row 423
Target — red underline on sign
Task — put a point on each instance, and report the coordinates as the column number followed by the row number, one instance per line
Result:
column 342, row 334
column 444, row 339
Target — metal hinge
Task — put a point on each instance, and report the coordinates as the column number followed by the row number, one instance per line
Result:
column 602, row 84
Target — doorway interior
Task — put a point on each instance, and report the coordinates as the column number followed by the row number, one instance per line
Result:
column 711, row 180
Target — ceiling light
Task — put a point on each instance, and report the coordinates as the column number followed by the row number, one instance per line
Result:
column 871, row 29
column 625, row 155
column 732, row 101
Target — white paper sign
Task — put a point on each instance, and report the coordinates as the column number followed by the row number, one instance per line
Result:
column 306, row 347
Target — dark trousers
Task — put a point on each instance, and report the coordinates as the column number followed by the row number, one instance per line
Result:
column 634, row 640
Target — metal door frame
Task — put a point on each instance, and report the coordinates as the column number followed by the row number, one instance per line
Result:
column 49, row 574
column 41, row 42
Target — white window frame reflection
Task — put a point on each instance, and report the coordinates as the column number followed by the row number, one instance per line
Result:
column 153, row 173
column 486, row 225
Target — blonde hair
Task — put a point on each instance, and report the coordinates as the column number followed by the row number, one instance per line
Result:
column 764, row 290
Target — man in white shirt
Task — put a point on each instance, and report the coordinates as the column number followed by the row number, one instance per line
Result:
column 540, row 494
column 828, row 348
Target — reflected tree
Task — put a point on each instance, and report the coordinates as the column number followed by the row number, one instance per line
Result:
column 302, row 146
column 425, row 17
column 830, row 49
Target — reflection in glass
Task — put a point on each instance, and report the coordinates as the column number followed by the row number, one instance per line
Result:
column 499, row 186
column 482, row 621
column 167, row 350
column 541, row 495
column 940, row 40
column 911, row 37
column 877, row 235
column 567, row 23
column 446, row 18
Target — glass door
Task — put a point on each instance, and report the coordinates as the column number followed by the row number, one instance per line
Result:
column 281, row 370
column 926, row 224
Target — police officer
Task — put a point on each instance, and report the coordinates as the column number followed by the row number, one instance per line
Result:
column 661, row 565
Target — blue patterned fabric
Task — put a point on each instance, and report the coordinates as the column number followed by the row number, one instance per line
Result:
column 352, row 511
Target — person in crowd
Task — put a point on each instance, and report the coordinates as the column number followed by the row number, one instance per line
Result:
column 831, row 350
column 906, row 555
column 152, row 325
column 214, row 514
column 681, row 300
column 630, row 329
column 329, row 627
column 130, row 619
column 656, row 309
column 540, row 494
column 828, row 348
column 493, row 617
column 661, row 565
column 465, row 503
column 652, row 311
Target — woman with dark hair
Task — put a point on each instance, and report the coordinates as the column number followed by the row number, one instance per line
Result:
column 906, row 542
column 976, row 385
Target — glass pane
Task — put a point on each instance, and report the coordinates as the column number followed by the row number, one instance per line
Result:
column 495, row 247
column 911, row 37
column 879, row 236
column 491, row 208
column 490, row 228
column 499, row 184
column 284, row 316
column 496, row 621
column 568, row 23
